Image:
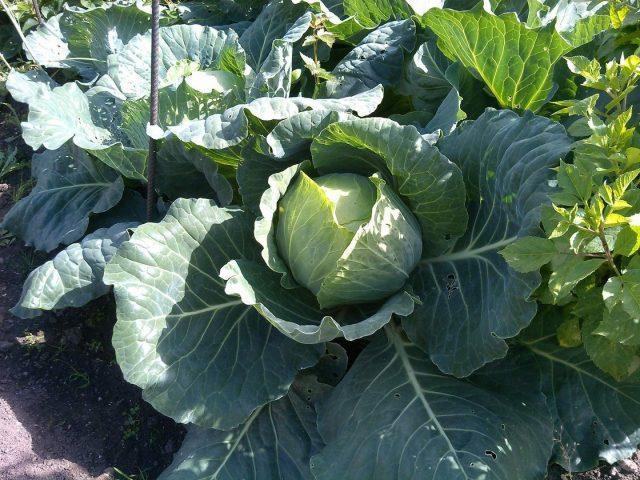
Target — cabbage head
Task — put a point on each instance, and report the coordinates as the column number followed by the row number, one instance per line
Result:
column 347, row 238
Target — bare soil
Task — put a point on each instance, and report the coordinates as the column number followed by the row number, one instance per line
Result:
column 66, row 413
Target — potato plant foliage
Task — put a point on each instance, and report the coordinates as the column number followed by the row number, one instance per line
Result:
column 392, row 241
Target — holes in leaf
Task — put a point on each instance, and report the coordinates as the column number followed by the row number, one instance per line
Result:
column 491, row 453
column 606, row 442
column 451, row 283
column 447, row 236
column 503, row 426
column 397, row 395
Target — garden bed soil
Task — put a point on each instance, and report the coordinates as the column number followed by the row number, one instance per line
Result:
column 66, row 413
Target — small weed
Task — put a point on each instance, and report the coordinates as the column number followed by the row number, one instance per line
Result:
column 9, row 163
column 131, row 423
column 6, row 238
column 141, row 475
column 21, row 190
column 95, row 346
column 28, row 260
column 80, row 377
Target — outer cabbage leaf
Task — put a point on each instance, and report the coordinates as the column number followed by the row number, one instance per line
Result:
column 46, row 45
column 230, row 128
column 182, row 171
column 430, row 185
column 95, row 33
column 115, row 131
column 253, row 176
column 596, row 417
column 275, row 443
column 74, row 276
column 377, row 59
column 394, row 402
column 269, row 43
column 472, row 300
column 83, row 38
column 210, row 49
column 373, row 12
column 186, row 172
column 515, row 63
column 25, row 86
column 199, row 355
column 293, row 135
column 295, row 312
column 425, row 77
column 70, row 188
column 279, row 20
column 577, row 21
column 59, row 114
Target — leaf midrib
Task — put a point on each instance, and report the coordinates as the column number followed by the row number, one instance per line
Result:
column 415, row 384
column 552, row 358
column 241, row 435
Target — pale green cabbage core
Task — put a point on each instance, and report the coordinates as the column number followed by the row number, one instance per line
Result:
column 347, row 238
column 352, row 197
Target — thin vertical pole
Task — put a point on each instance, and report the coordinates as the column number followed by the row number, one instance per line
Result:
column 153, row 107
column 36, row 8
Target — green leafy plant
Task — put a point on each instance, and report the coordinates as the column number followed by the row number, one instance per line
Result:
column 344, row 279
column 592, row 234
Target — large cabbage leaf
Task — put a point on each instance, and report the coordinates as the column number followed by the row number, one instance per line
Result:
column 376, row 60
column 70, row 187
column 74, row 276
column 221, row 131
column 204, row 47
column 396, row 416
column 199, row 355
column 596, row 417
column 275, row 443
column 83, row 38
column 515, row 62
column 471, row 299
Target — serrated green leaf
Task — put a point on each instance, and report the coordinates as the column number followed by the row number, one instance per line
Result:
column 529, row 254
column 569, row 272
column 575, row 181
column 618, row 326
column 631, row 292
column 627, row 241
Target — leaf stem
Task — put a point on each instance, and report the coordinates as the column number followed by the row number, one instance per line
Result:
column 4, row 60
column 607, row 251
column 16, row 25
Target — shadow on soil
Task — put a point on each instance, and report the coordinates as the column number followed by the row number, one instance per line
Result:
column 59, row 378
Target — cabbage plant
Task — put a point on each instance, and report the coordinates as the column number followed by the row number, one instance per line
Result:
column 323, row 293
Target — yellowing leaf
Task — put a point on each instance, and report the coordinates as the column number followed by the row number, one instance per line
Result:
column 515, row 62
